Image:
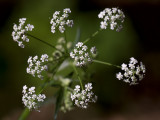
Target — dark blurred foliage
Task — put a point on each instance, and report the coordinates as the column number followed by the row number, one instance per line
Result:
column 117, row 100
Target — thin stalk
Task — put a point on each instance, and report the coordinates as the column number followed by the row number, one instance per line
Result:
column 65, row 37
column 42, row 41
column 78, row 76
column 106, row 63
column 24, row 114
column 70, row 89
column 93, row 35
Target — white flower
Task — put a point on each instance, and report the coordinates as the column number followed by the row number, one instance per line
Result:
column 31, row 90
column 88, row 86
column 72, row 55
column 133, row 73
column 133, row 60
column 103, row 25
column 44, row 57
column 77, row 88
column 61, row 20
column 36, row 67
column 124, row 67
column 19, row 31
column 112, row 17
column 79, row 44
column 30, row 99
column 119, row 76
column 73, row 96
column 132, row 66
column 81, row 54
column 24, row 89
column 93, row 50
column 81, row 98
column 101, row 14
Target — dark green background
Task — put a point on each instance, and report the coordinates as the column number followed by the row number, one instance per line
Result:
column 116, row 100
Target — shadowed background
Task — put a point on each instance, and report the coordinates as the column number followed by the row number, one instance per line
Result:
column 116, row 99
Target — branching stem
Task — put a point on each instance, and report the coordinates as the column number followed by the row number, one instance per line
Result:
column 75, row 69
column 93, row 35
column 43, row 41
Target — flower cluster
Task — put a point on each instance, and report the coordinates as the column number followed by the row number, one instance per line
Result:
column 30, row 99
column 81, row 55
column 82, row 98
column 19, row 32
column 113, row 17
column 132, row 73
column 60, row 21
column 37, row 66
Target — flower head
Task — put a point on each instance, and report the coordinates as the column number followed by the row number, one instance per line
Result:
column 61, row 20
column 132, row 72
column 30, row 99
column 81, row 54
column 19, row 31
column 111, row 17
column 37, row 66
column 81, row 98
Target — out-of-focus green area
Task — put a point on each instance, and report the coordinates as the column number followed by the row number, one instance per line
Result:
column 113, row 47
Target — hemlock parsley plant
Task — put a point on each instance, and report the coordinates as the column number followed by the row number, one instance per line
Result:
column 76, row 56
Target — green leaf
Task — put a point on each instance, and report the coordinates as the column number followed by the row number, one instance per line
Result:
column 59, row 102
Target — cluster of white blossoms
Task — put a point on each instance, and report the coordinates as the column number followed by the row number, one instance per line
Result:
column 113, row 17
column 36, row 66
column 132, row 73
column 81, row 98
column 60, row 20
column 18, row 33
column 30, row 99
column 81, row 55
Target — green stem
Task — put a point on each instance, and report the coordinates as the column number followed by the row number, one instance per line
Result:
column 70, row 89
column 24, row 114
column 78, row 76
column 93, row 35
column 106, row 63
column 65, row 37
column 42, row 41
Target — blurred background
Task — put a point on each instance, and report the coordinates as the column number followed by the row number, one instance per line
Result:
column 116, row 99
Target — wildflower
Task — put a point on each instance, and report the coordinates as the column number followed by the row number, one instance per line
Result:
column 30, row 99
column 61, row 20
column 112, row 17
column 19, row 31
column 119, row 76
column 37, row 66
column 82, row 55
column 81, row 98
column 133, row 73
